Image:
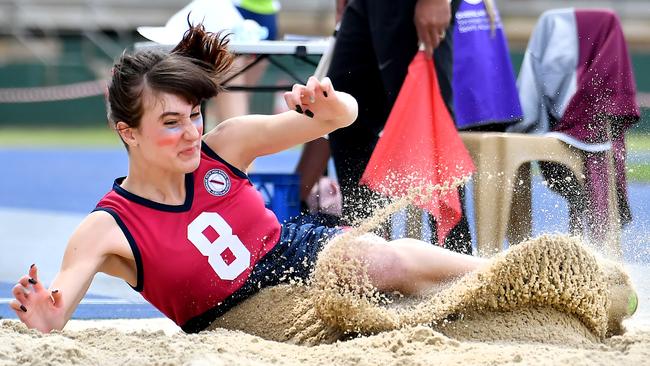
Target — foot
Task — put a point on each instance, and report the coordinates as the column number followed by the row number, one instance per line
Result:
column 623, row 299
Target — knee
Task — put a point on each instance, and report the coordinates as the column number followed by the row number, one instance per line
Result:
column 386, row 267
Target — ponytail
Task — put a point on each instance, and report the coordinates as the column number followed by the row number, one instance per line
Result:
column 208, row 50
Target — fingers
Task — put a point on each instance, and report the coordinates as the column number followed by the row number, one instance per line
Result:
column 312, row 87
column 20, row 297
column 294, row 100
column 296, row 96
column 425, row 38
column 19, row 308
column 327, row 88
column 434, row 34
column 33, row 272
column 292, row 103
column 33, row 278
column 58, row 298
column 24, row 281
column 303, row 97
column 20, row 293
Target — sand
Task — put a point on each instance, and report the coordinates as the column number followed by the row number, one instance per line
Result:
column 115, row 343
column 478, row 319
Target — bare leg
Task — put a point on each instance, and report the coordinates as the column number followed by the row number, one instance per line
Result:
column 411, row 266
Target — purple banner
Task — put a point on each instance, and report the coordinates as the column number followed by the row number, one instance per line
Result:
column 483, row 80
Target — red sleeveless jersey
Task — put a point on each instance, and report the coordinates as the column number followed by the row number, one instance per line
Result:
column 193, row 257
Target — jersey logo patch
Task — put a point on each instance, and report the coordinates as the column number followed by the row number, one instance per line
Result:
column 216, row 182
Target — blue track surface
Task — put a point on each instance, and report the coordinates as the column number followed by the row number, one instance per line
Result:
column 92, row 307
column 74, row 180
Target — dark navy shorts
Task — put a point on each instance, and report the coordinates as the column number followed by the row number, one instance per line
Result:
column 292, row 258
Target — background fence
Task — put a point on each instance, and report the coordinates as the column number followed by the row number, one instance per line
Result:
column 62, row 49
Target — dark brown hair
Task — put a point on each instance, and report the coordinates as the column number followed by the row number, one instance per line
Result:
column 193, row 70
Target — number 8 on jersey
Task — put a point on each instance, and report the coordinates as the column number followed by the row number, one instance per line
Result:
column 214, row 249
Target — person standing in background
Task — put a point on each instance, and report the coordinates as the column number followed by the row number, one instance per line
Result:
column 376, row 42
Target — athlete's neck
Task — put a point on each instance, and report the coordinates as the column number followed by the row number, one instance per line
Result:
column 155, row 185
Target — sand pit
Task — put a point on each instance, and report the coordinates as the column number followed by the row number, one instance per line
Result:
column 115, row 343
column 554, row 319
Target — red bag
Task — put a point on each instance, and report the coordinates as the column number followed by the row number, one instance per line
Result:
column 420, row 146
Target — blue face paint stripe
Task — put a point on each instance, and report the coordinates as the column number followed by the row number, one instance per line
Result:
column 174, row 130
column 198, row 122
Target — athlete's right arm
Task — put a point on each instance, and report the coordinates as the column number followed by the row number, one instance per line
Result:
column 88, row 250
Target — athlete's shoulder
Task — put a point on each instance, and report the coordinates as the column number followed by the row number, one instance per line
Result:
column 217, row 138
column 100, row 231
column 95, row 245
column 226, row 142
column 213, row 155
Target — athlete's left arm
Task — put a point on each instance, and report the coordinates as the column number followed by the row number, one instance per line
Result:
column 316, row 109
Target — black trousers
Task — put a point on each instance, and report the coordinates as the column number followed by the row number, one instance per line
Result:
column 375, row 44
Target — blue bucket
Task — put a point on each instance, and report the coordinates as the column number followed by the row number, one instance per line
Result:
column 281, row 193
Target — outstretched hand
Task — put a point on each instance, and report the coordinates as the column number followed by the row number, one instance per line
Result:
column 319, row 100
column 37, row 306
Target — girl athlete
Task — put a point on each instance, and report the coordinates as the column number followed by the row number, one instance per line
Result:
column 186, row 228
